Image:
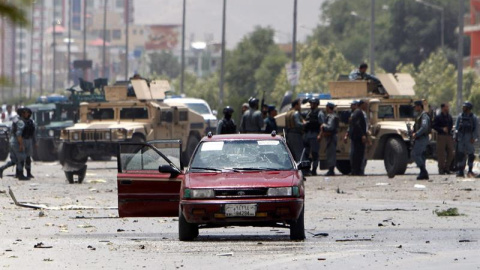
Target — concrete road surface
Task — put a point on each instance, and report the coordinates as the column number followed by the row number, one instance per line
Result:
column 367, row 222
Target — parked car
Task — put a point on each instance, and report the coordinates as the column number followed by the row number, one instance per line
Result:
column 201, row 107
column 232, row 180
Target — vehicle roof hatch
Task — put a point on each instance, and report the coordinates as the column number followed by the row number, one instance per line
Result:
column 400, row 84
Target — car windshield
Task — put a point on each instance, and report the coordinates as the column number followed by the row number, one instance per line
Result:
column 101, row 114
column 242, row 155
column 42, row 117
column 199, row 108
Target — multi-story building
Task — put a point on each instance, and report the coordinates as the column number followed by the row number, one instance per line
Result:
column 472, row 28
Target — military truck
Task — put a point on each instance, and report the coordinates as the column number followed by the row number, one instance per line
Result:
column 389, row 114
column 136, row 114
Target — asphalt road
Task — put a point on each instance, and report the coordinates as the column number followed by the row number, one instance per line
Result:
column 367, row 222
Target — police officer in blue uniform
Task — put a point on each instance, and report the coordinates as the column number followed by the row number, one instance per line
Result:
column 329, row 131
column 270, row 122
column 420, row 134
column 314, row 120
column 22, row 141
column 466, row 133
column 13, row 155
column 227, row 125
column 252, row 120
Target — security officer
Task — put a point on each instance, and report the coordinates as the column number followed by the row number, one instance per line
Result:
column 314, row 120
column 421, row 130
column 270, row 122
column 294, row 124
column 357, row 132
column 13, row 156
column 329, row 132
column 443, row 124
column 23, row 134
column 466, row 134
column 252, row 120
column 227, row 125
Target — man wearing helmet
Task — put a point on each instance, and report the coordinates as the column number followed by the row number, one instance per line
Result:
column 252, row 120
column 227, row 125
column 23, row 135
column 314, row 120
column 421, row 130
column 466, row 133
column 270, row 122
column 13, row 153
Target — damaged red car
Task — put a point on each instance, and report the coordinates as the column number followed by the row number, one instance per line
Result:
column 232, row 180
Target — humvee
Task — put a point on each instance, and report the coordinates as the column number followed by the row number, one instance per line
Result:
column 389, row 114
column 133, row 114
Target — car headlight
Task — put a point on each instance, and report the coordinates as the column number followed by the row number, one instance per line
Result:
column 51, row 133
column 107, row 136
column 199, row 193
column 76, row 136
column 282, row 191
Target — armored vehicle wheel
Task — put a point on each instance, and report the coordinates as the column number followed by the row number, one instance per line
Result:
column 186, row 231
column 297, row 228
column 46, row 151
column 69, row 153
column 395, row 157
column 190, row 147
column 69, row 176
column 344, row 166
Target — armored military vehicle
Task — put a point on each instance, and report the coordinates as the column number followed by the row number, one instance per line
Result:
column 389, row 113
column 136, row 114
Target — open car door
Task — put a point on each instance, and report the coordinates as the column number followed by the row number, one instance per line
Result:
column 142, row 190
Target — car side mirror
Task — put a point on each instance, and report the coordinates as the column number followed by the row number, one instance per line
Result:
column 302, row 165
column 174, row 172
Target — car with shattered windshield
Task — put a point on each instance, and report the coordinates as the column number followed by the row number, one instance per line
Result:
column 232, row 180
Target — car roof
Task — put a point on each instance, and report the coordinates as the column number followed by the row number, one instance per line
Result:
column 239, row 137
column 185, row 100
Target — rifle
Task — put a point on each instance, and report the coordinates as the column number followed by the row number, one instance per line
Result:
column 410, row 137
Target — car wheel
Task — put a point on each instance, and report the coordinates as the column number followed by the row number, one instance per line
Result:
column 344, row 166
column 81, row 174
column 297, row 227
column 395, row 157
column 186, row 231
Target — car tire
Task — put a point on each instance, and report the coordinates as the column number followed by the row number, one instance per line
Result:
column 344, row 166
column 395, row 157
column 186, row 231
column 297, row 227
column 190, row 148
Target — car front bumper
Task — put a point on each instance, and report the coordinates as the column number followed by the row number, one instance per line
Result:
column 268, row 210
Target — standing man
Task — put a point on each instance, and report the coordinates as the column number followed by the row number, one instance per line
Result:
column 466, row 133
column 314, row 120
column 227, row 125
column 22, row 133
column 270, row 122
column 29, row 141
column 353, row 107
column 294, row 124
column 357, row 132
column 361, row 74
column 9, row 115
column 421, row 129
column 252, row 120
column 13, row 153
column 329, row 132
column 443, row 124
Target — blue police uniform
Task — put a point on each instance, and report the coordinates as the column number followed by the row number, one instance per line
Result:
column 421, row 129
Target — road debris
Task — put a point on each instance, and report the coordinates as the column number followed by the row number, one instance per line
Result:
column 41, row 245
column 44, row 206
column 322, row 259
column 94, row 181
column 382, row 184
column 225, row 254
column 467, row 241
column 387, row 209
column 419, row 186
column 319, row 234
column 450, row 212
column 353, row 240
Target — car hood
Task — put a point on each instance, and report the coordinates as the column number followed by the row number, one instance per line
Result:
column 398, row 125
column 59, row 124
column 250, row 179
column 106, row 125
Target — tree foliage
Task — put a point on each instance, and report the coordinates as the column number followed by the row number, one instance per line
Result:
column 164, row 63
column 405, row 31
column 14, row 11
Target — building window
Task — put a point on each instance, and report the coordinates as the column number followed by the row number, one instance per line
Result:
column 116, row 34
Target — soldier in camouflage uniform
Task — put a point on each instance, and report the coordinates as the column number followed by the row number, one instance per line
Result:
column 329, row 132
column 294, row 124
column 466, row 133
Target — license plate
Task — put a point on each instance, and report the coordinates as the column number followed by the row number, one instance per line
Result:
column 240, row 210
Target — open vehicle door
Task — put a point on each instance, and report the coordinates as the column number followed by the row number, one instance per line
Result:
column 143, row 191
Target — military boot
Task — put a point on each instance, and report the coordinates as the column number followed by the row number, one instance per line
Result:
column 29, row 173
column 331, row 172
column 423, row 174
column 461, row 173
column 21, row 177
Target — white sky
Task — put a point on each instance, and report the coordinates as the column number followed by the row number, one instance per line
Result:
column 204, row 17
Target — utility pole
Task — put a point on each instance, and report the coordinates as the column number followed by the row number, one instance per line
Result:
column 461, row 13
column 84, row 75
column 20, row 60
column 3, row 56
column 294, row 41
column 182, row 73
column 54, row 46
column 31, row 51
column 42, row 29
column 69, row 51
column 372, row 38
column 222, row 67
column 127, row 19
column 104, row 37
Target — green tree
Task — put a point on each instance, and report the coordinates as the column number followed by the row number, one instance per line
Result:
column 15, row 12
column 164, row 63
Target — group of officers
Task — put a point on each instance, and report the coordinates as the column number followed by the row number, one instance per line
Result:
column 21, row 142
column 304, row 133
